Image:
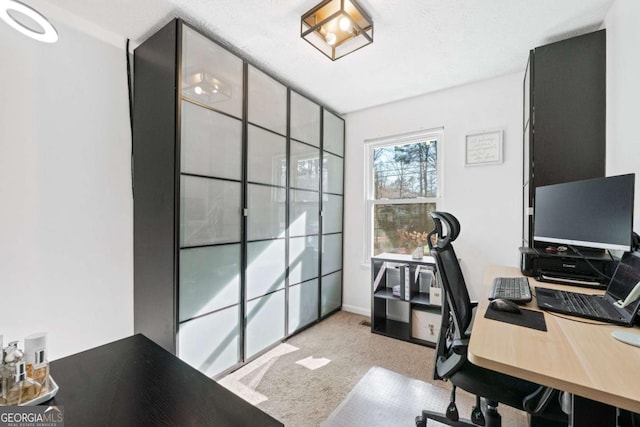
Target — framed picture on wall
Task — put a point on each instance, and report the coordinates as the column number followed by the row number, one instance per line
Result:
column 483, row 148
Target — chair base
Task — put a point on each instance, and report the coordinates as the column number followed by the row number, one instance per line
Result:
column 545, row 422
column 493, row 420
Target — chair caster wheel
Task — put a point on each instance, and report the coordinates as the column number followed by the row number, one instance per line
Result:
column 477, row 417
column 420, row 421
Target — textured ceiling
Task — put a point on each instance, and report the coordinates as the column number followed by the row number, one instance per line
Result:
column 420, row 46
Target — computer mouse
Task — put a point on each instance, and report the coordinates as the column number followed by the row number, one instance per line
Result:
column 500, row 304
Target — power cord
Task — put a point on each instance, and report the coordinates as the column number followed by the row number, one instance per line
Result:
column 577, row 319
column 130, row 97
column 574, row 249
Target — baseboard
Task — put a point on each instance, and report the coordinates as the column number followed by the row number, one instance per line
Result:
column 356, row 310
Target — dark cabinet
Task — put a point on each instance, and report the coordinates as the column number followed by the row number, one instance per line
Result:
column 564, row 113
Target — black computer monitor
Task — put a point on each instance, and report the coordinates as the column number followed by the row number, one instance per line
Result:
column 593, row 213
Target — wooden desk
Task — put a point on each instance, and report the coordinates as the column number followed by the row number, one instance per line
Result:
column 580, row 357
column 135, row 382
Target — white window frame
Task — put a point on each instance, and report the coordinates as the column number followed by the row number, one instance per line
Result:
column 369, row 146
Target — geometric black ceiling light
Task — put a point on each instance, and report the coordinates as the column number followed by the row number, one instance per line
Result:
column 337, row 27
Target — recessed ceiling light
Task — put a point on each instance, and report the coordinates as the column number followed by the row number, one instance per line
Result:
column 48, row 34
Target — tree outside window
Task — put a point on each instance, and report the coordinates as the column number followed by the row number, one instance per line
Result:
column 403, row 190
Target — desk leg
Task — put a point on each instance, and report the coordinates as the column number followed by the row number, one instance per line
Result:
column 587, row 412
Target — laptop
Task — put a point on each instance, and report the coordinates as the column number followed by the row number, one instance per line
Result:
column 618, row 305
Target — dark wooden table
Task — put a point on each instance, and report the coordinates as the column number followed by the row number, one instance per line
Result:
column 134, row 382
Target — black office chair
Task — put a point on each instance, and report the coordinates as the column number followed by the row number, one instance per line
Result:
column 451, row 351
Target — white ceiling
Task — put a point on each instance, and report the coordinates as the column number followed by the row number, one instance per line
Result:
column 420, row 46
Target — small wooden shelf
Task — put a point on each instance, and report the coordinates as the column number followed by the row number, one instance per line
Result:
column 389, row 270
column 391, row 328
column 422, row 342
column 386, row 293
column 421, row 298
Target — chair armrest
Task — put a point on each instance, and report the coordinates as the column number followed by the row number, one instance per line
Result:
column 474, row 306
column 460, row 346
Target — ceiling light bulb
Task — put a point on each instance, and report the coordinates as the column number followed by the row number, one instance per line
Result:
column 198, row 90
column 331, row 39
column 345, row 23
column 48, row 34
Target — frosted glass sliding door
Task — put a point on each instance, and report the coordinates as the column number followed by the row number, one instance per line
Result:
column 267, row 170
column 211, row 188
column 332, row 211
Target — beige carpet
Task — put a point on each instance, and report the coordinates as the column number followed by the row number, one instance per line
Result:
column 302, row 381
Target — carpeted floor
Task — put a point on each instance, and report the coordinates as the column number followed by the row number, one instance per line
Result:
column 332, row 357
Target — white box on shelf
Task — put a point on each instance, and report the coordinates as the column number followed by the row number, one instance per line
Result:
column 425, row 325
column 435, row 295
column 425, row 278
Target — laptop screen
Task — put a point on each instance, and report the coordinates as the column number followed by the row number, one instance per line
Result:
column 624, row 281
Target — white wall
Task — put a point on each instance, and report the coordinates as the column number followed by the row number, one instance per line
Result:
column 623, row 93
column 486, row 199
column 66, row 258
column 66, row 263
column 490, row 219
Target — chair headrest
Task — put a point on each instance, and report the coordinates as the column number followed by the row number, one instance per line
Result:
column 447, row 228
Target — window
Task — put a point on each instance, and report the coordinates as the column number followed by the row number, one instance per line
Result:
column 404, row 185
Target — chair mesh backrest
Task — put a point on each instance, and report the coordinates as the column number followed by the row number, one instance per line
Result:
column 452, row 280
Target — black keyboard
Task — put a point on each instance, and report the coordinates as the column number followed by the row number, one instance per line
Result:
column 583, row 304
column 514, row 289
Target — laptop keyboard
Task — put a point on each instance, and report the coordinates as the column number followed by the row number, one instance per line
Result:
column 593, row 307
column 511, row 288
column 583, row 304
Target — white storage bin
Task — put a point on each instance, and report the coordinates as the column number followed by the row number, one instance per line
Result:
column 425, row 325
